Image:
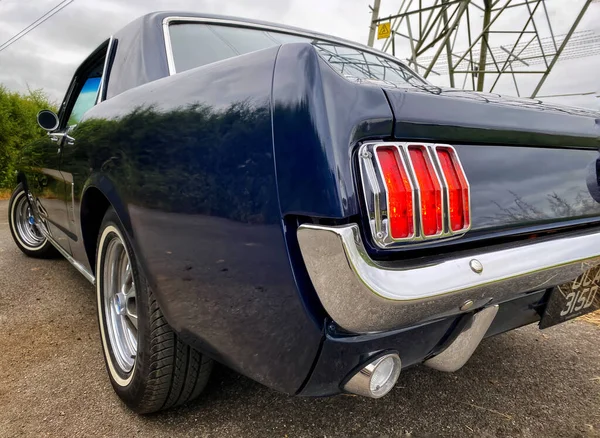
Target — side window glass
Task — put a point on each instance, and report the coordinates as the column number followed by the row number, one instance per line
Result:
column 85, row 100
column 244, row 40
column 194, row 45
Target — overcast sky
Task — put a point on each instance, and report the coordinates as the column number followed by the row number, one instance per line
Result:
column 47, row 57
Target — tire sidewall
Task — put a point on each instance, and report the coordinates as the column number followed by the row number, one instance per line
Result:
column 130, row 386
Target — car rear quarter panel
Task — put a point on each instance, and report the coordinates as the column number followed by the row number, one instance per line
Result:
column 191, row 156
column 318, row 118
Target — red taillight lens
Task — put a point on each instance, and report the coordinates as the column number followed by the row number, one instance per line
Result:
column 399, row 192
column 430, row 189
column 458, row 189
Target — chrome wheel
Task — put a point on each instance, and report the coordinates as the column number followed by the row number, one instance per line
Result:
column 24, row 223
column 120, row 304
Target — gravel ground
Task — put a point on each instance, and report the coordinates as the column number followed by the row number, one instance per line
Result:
column 524, row 383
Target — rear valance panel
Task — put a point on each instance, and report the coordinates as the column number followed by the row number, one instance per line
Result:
column 522, row 186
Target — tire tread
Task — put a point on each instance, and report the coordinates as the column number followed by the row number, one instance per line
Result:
column 178, row 372
column 175, row 372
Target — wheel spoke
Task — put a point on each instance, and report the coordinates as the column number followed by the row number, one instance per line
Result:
column 133, row 319
column 26, row 225
column 130, row 294
column 130, row 336
column 128, row 277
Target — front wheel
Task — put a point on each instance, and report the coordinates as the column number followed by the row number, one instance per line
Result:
column 24, row 228
column 149, row 367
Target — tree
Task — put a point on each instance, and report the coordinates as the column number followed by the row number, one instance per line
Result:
column 18, row 127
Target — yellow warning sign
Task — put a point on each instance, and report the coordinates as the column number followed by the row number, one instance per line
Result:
column 384, row 30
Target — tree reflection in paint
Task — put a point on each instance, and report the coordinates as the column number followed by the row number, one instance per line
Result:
column 189, row 160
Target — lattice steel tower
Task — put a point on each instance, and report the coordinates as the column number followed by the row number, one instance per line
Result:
column 476, row 42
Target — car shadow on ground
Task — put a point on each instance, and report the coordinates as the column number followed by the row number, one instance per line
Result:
column 516, row 384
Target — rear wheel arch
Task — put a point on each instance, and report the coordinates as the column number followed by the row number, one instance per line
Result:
column 22, row 179
column 94, row 205
column 98, row 196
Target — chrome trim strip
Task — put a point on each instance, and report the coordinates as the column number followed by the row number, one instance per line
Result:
column 384, row 227
column 441, row 173
column 432, row 161
column 379, row 226
column 362, row 295
column 371, row 176
column 457, row 354
column 105, row 70
column 236, row 23
column 88, row 275
column 168, row 47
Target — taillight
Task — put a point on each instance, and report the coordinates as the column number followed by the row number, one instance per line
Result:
column 399, row 193
column 430, row 190
column 458, row 189
column 401, row 179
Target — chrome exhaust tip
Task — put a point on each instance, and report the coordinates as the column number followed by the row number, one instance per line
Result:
column 376, row 378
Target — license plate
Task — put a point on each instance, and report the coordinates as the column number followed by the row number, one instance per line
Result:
column 574, row 299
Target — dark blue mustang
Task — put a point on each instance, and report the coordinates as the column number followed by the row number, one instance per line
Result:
column 302, row 209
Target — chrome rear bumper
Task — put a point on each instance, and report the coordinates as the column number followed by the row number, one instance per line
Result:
column 362, row 295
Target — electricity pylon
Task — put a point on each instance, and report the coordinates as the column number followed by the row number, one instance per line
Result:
column 479, row 41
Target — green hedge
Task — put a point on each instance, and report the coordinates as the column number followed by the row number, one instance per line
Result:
column 18, row 127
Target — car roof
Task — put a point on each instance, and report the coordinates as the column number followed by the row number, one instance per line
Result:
column 138, row 61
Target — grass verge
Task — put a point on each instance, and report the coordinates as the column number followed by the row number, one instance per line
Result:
column 4, row 194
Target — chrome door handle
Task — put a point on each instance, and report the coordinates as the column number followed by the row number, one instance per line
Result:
column 56, row 137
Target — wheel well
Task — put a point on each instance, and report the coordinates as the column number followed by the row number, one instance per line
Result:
column 93, row 207
column 22, row 180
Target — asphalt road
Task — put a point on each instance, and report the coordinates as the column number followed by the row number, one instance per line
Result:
column 525, row 383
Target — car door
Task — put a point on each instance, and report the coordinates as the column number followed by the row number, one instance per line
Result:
column 55, row 197
column 40, row 162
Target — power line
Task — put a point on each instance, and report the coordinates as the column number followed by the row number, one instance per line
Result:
column 56, row 9
column 588, row 93
column 63, row 4
column 582, row 44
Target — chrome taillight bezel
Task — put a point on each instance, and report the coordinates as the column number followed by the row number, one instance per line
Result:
column 455, row 156
column 376, row 193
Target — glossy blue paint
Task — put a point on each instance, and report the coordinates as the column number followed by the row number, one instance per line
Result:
column 459, row 116
column 516, row 186
column 211, row 171
column 318, row 117
column 191, row 159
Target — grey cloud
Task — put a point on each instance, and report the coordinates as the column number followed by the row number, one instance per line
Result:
column 80, row 27
column 47, row 57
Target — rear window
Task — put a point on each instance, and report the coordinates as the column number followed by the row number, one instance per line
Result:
column 196, row 44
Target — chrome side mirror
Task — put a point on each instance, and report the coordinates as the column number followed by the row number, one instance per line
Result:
column 47, row 120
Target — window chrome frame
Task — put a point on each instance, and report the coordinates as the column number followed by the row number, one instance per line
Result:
column 269, row 28
column 102, row 86
column 376, row 193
